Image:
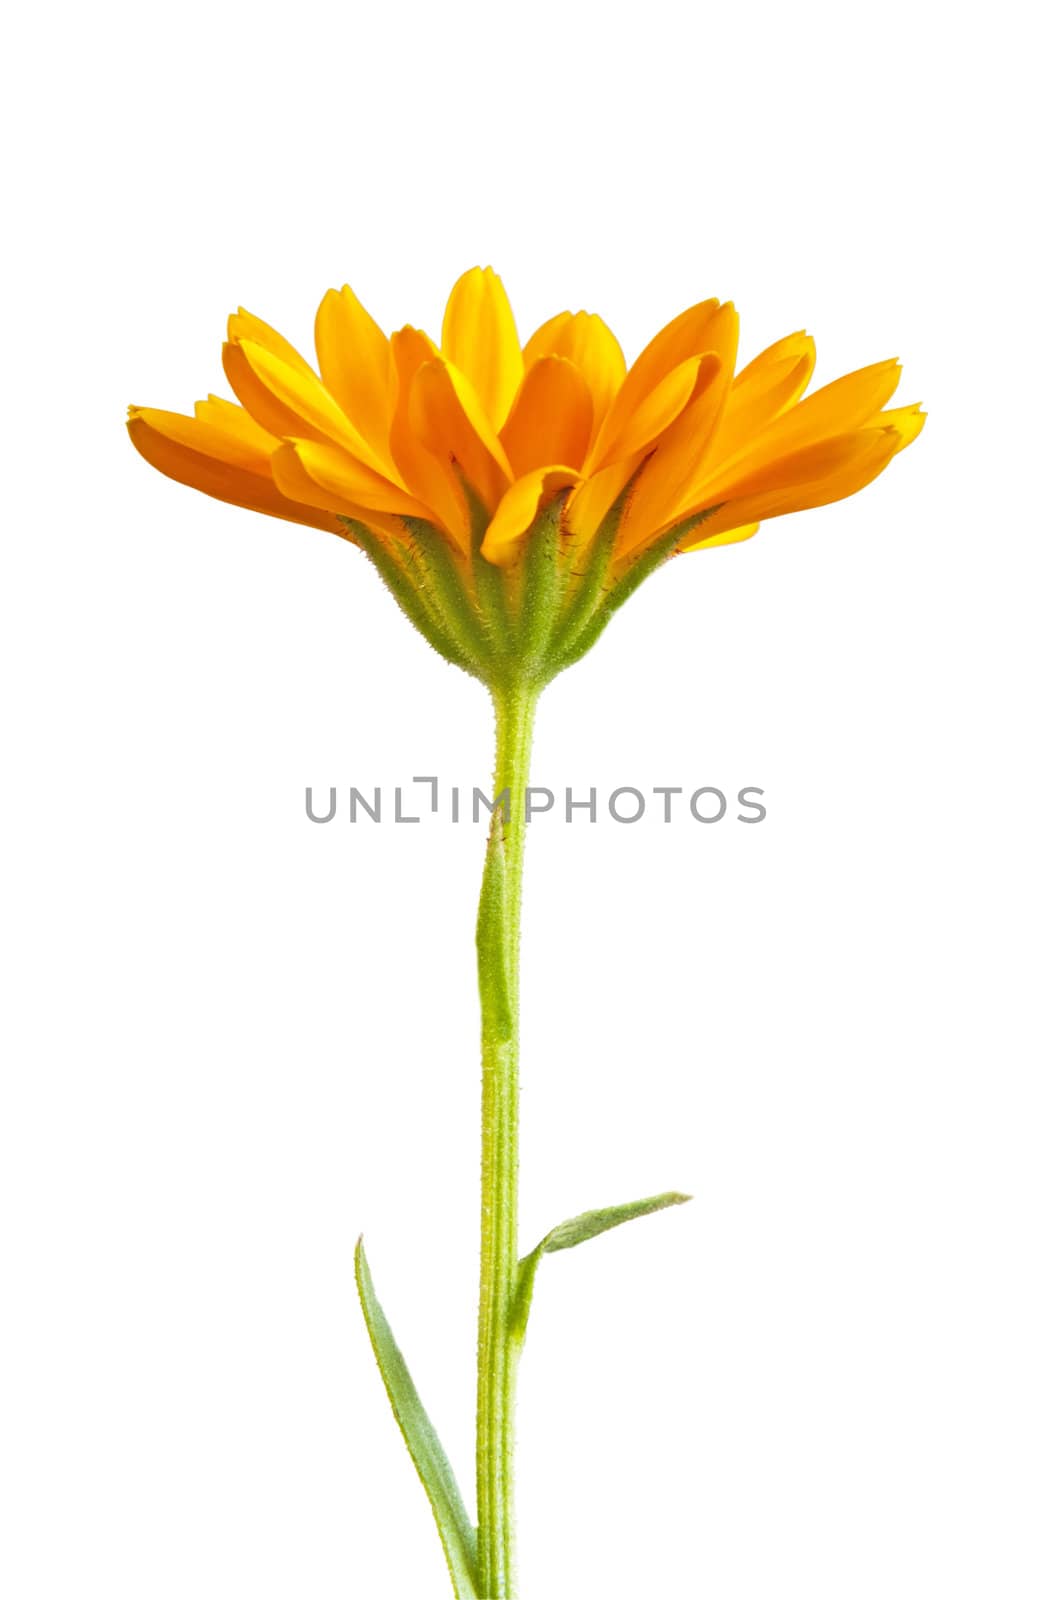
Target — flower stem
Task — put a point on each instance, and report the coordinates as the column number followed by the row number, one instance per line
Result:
column 498, row 949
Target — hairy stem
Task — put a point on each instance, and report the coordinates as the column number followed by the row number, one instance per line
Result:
column 498, row 949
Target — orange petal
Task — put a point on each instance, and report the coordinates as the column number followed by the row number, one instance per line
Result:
column 546, row 339
column 480, row 339
column 906, row 421
column 355, row 362
column 218, row 429
column 590, row 503
column 551, row 418
column 769, row 385
column 651, row 417
column 323, row 475
column 428, row 478
column 518, row 509
column 163, row 443
column 237, row 426
column 795, row 347
column 300, row 397
column 257, row 399
column 676, row 465
column 410, row 349
column 695, row 541
column 242, row 325
column 586, row 340
column 446, row 418
column 829, row 471
column 806, row 465
column 708, row 327
column 837, row 408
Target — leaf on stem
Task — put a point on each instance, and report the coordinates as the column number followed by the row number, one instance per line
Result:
column 496, row 979
column 434, row 1470
column 567, row 1234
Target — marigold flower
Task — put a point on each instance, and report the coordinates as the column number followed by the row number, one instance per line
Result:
column 512, row 497
column 457, row 466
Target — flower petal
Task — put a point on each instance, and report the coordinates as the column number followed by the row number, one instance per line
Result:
column 907, row 422
column 704, row 328
column 676, row 465
column 446, row 418
column 585, row 339
column 163, row 438
column 480, row 339
column 729, row 536
column 323, row 475
column 242, row 325
column 794, row 347
column 292, row 403
column 551, row 419
column 410, row 349
column 768, row 386
column 428, row 478
column 236, row 423
column 591, row 501
column 837, row 408
column 651, row 417
column 816, row 476
column 519, row 508
column 219, row 429
column 546, row 340
column 355, row 363
column 805, row 465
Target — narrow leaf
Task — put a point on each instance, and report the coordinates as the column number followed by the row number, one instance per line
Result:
column 567, row 1234
column 434, row 1470
column 495, row 977
column 590, row 1223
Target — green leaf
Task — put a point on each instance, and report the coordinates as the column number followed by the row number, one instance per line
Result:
column 590, row 1223
column 434, row 1470
column 568, row 1234
column 495, row 909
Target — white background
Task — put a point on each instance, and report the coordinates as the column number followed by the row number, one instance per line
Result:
column 237, row 1039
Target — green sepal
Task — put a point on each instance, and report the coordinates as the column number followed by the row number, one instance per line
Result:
column 647, row 562
column 456, row 1533
column 448, row 587
column 523, row 624
column 568, row 1234
column 407, row 587
column 587, row 584
column 489, row 582
column 543, row 578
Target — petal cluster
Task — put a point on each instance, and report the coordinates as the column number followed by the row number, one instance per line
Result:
column 476, row 435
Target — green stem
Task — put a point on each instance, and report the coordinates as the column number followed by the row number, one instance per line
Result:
column 498, row 948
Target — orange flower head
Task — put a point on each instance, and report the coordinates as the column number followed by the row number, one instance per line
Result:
column 512, row 497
